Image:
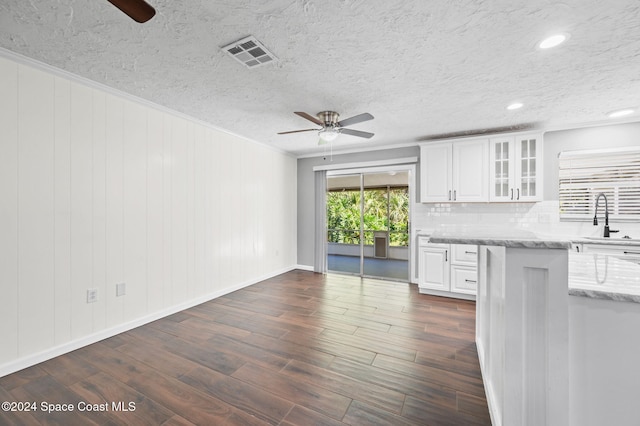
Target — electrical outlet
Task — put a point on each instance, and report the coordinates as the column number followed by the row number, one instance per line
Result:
column 121, row 289
column 92, row 295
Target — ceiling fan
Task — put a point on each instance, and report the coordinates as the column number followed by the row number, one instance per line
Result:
column 330, row 127
column 138, row 10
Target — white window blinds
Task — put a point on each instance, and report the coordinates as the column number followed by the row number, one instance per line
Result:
column 585, row 174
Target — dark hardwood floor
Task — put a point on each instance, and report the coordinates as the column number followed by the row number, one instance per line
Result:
column 297, row 349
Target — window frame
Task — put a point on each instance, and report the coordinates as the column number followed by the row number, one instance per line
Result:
column 582, row 175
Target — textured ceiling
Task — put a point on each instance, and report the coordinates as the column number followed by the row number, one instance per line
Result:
column 422, row 68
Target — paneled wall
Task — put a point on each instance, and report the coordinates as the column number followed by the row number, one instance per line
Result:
column 98, row 189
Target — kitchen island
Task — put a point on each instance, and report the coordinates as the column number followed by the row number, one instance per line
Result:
column 548, row 357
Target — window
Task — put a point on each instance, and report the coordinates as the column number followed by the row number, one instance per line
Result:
column 585, row 174
column 386, row 209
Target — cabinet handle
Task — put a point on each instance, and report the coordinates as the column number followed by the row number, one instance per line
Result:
column 449, row 195
column 470, row 252
column 631, row 252
column 470, row 281
column 518, row 194
column 512, row 193
column 454, row 195
column 446, row 255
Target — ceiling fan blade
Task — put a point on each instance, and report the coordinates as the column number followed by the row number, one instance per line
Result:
column 138, row 10
column 355, row 119
column 310, row 118
column 298, row 131
column 357, row 133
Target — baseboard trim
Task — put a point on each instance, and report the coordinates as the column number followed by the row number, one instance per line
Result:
column 33, row 359
column 305, row 268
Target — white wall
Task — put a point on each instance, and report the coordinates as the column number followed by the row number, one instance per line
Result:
column 97, row 188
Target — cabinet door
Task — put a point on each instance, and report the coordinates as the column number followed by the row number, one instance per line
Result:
column 528, row 171
column 435, row 173
column 515, row 168
column 470, row 174
column 464, row 279
column 502, row 169
column 434, row 267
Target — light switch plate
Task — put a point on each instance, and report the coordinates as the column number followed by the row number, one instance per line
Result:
column 92, row 295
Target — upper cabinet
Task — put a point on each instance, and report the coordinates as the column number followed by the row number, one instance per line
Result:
column 515, row 168
column 454, row 171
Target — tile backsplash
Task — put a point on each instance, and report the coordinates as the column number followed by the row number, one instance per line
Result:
column 542, row 217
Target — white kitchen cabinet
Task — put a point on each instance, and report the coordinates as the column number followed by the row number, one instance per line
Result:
column 464, row 255
column 464, row 279
column 626, row 252
column 434, row 267
column 454, row 171
column 464, row 268
column 447, row 269
column 436, row 173
column 515, row 168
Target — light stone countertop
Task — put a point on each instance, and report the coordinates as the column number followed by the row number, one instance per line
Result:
column 617, row 241
column 604, row 276
column 595, row 275
column 495, row 236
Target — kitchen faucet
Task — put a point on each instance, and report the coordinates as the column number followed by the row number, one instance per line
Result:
column 607, row 231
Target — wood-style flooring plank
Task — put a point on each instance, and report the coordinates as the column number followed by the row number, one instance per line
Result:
column 380, row 396
column 103, row 389
column 297, row 349
column 300, row 392
column 248, row 398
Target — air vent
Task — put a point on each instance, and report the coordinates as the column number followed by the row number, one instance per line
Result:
column 250, row 52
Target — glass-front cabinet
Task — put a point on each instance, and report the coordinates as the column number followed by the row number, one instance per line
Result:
column 515, row 168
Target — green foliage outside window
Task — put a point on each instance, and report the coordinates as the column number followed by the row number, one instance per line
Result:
column 343, row 215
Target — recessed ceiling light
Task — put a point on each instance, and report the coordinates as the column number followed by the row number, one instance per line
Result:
column 621, row 113
column 515, row 105
column 553, row 41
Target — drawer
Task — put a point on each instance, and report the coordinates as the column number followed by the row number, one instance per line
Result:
column 423, row 241
column 465, row 254
column 623, row 252
column 464, row 279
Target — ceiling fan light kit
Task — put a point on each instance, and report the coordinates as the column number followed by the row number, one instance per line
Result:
column 331, row 127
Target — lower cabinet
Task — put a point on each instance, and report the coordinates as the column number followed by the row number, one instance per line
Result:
column 447, row 269
column 434, row 267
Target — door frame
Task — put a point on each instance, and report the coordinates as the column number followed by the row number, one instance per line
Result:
column 362, row 169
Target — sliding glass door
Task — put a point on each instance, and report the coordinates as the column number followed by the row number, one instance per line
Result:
column 368, row 224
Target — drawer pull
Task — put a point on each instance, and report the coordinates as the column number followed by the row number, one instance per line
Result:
column 470, row 281
column 631, row 252
column 470, row 252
